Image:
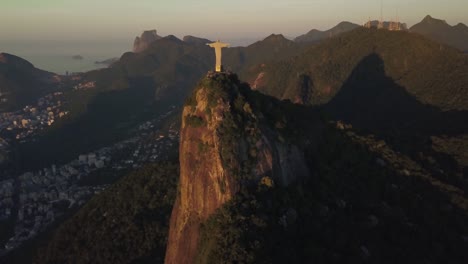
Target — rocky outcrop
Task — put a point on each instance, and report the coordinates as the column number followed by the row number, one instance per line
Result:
column 142, row 43
column 226, row 143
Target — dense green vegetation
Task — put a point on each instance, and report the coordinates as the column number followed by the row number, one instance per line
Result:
column 438, row 30
column 249, row 115
column 315, row 35
column 245, row 61
column 138, row 87
column 399, row 86
column 390, row 190
column 127, row 223
column 429, row 71
column 21, row 83
column 351, row 210
column 365, row 201
column 99, row 120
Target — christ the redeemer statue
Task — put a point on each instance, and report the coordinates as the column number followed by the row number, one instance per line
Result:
column 218, row 46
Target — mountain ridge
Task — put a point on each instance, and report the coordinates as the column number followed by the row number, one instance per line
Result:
column 147, row 37
column 373, row 80
column 316, row 35
column 226, row 146
column 441, row 31
column 362, row 42
column 21, row 83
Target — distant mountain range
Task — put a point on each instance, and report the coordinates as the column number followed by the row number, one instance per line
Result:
column 436, row 29
column 267, row 181
column 377, row 185
column 398, row 84
column 404, row 54
column 147, row 37
column 143, row 84
column 21, row 83
column 316, row 35
column 439, row 30
column 169, row 67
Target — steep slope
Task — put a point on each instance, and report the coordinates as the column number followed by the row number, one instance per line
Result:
column 264, row 181
column 170, row 64
column 246, row 61
column 127, row 223
column 430, row 72
column 21, row 83
column 315, row 35
column 399, row 86
column 268, row 181
column 174, row 66
column 145, row 40
column 226, row 146
column 136, row 88
column 438, row 30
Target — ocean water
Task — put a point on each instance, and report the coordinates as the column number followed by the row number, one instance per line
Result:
column 61, row 64
column 57, row 56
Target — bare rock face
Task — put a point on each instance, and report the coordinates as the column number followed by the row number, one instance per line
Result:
column 225, row 143
column 142, row 43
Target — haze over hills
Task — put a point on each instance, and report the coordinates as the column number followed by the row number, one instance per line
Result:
column 286, row 185
column 405, row 56
column 436, row 29
column 439, row 30
column 352, row 149
column 147, row 37
column 21, row 83
column 245, row 61
column 143, row 84
column 398, row 86
column 316, row 35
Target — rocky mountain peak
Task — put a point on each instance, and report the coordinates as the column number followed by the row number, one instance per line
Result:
column 439, row 30
column 147, row 37
column 275, row 37
column 226, row 144
column 430, row 20
column 461, row 26
column 172, row 38
column 427, row 18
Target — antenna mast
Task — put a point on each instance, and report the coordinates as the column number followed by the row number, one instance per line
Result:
column 381, row 23
column 381, row 10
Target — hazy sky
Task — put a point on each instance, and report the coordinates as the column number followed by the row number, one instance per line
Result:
column 124, row 19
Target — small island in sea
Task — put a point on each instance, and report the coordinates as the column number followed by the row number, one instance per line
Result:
column 77, row 57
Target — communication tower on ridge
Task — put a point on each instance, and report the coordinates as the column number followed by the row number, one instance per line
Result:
column 392, row 25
